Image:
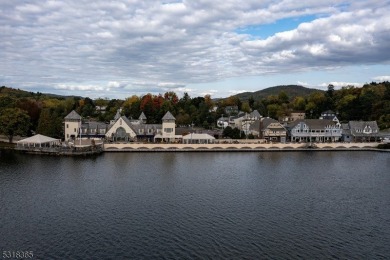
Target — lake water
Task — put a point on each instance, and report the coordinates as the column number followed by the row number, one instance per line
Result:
column 277, row 205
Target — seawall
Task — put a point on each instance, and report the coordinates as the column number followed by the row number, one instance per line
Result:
column 241, row 147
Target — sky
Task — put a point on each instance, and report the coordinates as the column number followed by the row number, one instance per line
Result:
column 116, row 49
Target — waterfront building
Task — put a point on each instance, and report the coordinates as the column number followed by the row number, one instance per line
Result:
column 360, row 131
column 93, row 129
column 272, row 130
column 295, row 115
column 314, row 130
column 72, row 125
column 121, row 130
column 329, row 115
column 168, row 128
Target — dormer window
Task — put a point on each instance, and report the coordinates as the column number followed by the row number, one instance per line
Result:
column 367, row 129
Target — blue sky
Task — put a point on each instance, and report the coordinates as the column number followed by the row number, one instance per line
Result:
column 264, row 31
column 118, row 49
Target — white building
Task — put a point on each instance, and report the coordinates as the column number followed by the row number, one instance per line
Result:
column 72, row 126
column 168, row 133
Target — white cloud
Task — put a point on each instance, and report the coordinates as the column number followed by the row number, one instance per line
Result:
column 79, row 87
column 301, row 83
column 340, row 84
column 172, row 44
column 382, row 78
column 234, row 92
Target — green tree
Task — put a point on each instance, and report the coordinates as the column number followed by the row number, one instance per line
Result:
column 251, row 102
column 299, row 103
column 275, row 110
column 50, row 123
column 283, row 97
column 233, row 133
column 245, row 107
column 14, row 121
column 317, row 103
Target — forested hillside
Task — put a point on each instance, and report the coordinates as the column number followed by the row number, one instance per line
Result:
column 291, row 90
column 25, row 113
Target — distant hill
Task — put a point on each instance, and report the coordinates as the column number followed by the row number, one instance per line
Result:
column 18, row 93
column 291, row 91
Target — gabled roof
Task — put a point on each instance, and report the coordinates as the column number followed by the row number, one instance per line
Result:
column 126, row 121
column 312, row 123
column 154, row 127
column 94, row 125
column 255, row 113
column 255, row 126
column 267, row 121
column 117, row 115
column 73, row 116
column 345, row 126
column 357, row 128
column 168, row 116
column 37, row 139
column 362, row 124
column 328, row 112
column 142, row 116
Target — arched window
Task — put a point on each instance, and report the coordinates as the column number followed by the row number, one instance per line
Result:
column 120, row 133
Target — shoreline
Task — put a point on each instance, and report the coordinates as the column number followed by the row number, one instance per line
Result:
column 216, row 147
column 241, row 147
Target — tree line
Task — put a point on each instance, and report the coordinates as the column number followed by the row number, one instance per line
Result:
column 26, row 113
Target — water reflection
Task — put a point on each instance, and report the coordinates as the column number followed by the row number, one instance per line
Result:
column 197, row 205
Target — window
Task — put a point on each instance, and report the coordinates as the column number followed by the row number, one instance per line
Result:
column 150, row 130
column 75, row 130
column 168, row 130
column 67, row 125
column 367, row 129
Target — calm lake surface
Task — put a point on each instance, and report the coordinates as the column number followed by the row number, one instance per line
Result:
column 197, row 205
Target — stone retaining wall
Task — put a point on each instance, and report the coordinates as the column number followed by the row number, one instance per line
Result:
column 233, row 147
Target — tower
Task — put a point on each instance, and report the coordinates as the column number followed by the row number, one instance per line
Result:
column 72, row 125
column 168, row 126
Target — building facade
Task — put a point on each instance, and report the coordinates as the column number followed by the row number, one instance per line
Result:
column 314, row 130
column 72, row 126
column 360, row 131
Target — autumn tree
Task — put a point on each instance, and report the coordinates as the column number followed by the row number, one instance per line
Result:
column 208, row 101
column 14, row 121
column 171, row 96
column 33, row 109
column 131, row 106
